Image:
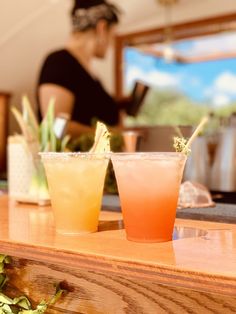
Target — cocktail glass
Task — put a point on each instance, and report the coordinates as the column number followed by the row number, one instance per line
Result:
column 148, row 185
column 76, row 182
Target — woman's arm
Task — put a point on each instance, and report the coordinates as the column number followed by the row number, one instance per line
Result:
column 64, row 99
column 63, row 105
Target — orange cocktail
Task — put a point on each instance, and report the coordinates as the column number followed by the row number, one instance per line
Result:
column 148, row 185
column 76, row 182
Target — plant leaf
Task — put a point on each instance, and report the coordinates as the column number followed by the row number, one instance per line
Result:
column 43, row 135
column 22, row 302
column 48, row 137
column 29, row 115
column 56, row 297
column 50, row 116
column 23, row 125
column 22, row 305
column 5, row 299
column 3, row 258
column 102, row 139
column 41, row 308
column 3, row 280
column 31, row 140
column 5, row 309
column 64, row 142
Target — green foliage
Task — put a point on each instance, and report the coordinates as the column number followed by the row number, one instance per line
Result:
column 20, row 305
column 84, row 142
column 225, row 111
column 116, row 142
column 42, row 136
column 47, row 138
column 169, row 107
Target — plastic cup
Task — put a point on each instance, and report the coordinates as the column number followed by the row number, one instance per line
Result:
column 75, row 182
column 148, row 185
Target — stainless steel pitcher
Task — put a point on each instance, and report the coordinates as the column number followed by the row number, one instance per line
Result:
column 197, row 168
column 223, row 172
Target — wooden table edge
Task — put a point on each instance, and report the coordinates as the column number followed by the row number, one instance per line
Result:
column 162, row 274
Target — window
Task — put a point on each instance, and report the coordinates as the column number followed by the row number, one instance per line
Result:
column 200, row 78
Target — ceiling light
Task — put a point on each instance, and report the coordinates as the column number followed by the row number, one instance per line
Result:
column 168, row 51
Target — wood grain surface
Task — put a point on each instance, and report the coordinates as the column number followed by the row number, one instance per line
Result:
column 202, row 257
column 93, row 292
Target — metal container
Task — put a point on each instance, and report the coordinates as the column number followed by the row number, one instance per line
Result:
column 197, row 168
column 223, row 172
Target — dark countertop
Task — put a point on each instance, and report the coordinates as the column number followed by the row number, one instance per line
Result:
column 220, row 213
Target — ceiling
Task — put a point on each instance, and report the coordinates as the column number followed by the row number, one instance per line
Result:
column 136, row 11
column 137, row 14
column 140, row 14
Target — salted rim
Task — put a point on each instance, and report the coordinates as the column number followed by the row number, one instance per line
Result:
column 114, row 156
column 148, row 156
column 68, row 155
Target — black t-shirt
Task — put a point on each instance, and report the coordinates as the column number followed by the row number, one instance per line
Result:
column 91, row 100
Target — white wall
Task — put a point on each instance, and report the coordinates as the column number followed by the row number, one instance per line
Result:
column 45, row 27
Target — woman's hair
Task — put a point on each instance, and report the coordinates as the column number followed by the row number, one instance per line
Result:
column 86, row 14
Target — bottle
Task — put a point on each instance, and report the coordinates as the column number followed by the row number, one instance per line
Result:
column 60, row 124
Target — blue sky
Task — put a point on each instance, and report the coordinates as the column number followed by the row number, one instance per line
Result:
column 211, row 82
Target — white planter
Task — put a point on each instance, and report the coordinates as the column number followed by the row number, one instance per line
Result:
column 20, row 171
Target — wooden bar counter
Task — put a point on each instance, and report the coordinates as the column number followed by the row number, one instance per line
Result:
column 105, row 273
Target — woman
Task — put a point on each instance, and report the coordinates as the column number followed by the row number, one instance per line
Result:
column 66, row 73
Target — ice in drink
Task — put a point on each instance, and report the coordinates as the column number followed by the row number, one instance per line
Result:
column 76, row 182
column 148, row 185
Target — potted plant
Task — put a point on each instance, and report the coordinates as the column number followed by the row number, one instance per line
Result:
column 26, row 176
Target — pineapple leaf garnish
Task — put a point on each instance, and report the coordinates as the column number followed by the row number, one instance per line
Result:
column 102, row 139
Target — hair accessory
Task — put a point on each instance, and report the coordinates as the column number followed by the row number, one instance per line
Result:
column 84, row 19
